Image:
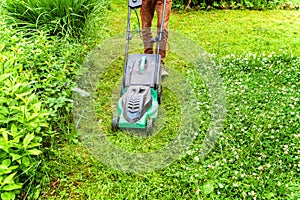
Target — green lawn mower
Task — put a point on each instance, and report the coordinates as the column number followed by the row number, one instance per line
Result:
column 141, row 90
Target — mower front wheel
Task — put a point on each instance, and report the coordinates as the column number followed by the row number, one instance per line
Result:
column 149, row 126
column 159, row 96
column 114, row 124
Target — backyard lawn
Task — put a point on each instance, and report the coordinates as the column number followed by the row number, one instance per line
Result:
column 255, row 59
column 257, row 156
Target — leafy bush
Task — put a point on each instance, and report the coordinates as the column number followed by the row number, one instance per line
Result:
column 59, row 17
column 22, row 118
column 35, row 78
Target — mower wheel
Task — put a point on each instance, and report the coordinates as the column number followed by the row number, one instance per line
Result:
column 159, row 96
column 149, row 126
column 114, row 124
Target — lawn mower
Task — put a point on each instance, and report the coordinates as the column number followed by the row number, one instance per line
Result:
column 141, row 90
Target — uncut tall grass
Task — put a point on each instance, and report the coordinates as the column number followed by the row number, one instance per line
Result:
column 58, row 17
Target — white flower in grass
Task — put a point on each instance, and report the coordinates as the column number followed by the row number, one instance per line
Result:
column 221, row 185
column 235, row 185
column 211, row 166
column 259, row 158
column 269, row 126
column 279, row 183
column 196, row 159
column 252, row 193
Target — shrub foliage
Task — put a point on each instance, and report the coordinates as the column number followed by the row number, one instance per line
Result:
column 235, row 4
column 35, row 78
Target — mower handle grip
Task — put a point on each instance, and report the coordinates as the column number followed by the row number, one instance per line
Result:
column 134, row 3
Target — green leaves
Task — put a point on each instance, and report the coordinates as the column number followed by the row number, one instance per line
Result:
column 17, row 156
column 11, row 187
column 9, row 178
column 34, row 152
column 4, row 76
column 28, row 138
column 6, row 163
column 7, row 196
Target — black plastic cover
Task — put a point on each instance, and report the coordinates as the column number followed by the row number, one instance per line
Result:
column 135, row 102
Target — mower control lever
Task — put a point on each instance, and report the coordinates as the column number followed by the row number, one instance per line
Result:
column 135, row 3
column 153, row 40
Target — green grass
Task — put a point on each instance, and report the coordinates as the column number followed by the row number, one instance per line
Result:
column 257, row 157
column 240, row 32
column 231, row 31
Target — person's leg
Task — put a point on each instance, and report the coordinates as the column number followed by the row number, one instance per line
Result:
column 159, row 10
column 147, row 13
